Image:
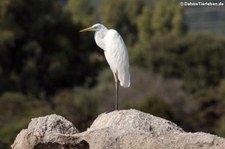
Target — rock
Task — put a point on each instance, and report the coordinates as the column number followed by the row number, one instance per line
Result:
column 51, row 130
column 117, row 130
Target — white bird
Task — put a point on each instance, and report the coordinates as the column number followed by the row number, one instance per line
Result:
column 115, row 53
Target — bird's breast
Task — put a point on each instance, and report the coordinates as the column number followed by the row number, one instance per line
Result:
column 99, row 39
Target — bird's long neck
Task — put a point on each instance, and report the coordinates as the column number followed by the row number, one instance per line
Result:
column 99, row 37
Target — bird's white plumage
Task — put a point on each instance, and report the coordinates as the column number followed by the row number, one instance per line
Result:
column 116, row 55
column 115, row 52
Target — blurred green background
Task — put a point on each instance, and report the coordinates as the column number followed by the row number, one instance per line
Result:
column 46, row 66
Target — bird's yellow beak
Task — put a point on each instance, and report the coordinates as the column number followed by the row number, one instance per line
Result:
column 86, row 29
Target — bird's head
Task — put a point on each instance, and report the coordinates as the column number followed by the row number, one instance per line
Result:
column 95, row 27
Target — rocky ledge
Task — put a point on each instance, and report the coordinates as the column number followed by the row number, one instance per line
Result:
column 125, row 129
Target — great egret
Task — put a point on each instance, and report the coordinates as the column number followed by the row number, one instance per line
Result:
column 115, row 53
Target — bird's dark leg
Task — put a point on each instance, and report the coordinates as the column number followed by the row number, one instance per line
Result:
column 117, row 91
column 117, row 95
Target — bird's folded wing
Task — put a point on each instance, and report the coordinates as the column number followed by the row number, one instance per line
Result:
column 117, row 57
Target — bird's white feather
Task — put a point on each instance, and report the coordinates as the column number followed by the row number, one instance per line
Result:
column 115, row 52
column 116, row 55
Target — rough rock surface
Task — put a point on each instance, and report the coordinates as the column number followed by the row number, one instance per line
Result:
column 125, row 129
column 51, row 130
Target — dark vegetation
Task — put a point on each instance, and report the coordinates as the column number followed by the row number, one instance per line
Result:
column 47, row 66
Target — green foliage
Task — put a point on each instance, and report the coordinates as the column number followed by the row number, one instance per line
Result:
column 220, row 129
column 196, row 58
column 9, row 131
column 167, row 17
column 157, row 26
column 126, row 22
column 220, row 123
column 45, row 55
column 204, row 61
column 79, row 106
column 110, row 18
column 3, row 6
column 41, row 52
column 207, row 109
column 132, row 9
column 155, row 105
column 221, row 89
column 16, row 112
column 80, row 11
column 145, row 31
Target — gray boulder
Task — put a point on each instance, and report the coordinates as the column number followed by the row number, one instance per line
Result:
column 125, row 129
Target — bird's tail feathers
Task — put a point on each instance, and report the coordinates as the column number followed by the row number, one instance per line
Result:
column 124, row 79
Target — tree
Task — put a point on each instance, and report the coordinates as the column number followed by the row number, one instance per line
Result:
column 207, row 110
column 155, row 105
column 156, row 26
column 80, row 106
column 41, row 49
column 123, row 21
column 204, row 61
column 167, row 17
column 220, row 129
column 81, row 12
column 16, row 111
